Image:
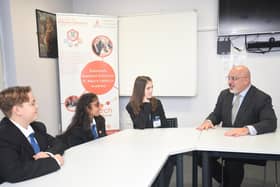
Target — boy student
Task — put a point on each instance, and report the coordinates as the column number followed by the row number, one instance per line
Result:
column 27, row 151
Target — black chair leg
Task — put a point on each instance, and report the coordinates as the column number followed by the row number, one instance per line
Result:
column 264, row 176
column 222, row 178
column 276, row 174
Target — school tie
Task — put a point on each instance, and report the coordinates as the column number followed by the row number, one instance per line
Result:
column 34, row 143
column 235, row 107
column 94, row 131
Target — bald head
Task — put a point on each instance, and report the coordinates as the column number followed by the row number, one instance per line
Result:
column 239, row 78
column 242, row 70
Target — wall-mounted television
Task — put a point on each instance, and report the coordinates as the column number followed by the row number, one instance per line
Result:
column 244, row 17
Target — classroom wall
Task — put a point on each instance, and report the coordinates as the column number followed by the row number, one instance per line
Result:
column 22, row 61
column 212, row 68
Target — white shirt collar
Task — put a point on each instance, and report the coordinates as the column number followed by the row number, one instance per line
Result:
column 93, row 121
column 25, row 132
column 244, row 92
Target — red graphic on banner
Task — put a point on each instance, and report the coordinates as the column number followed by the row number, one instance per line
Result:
column 71, row 103
column 72, row 35
column 102, row 46
column 98, row 77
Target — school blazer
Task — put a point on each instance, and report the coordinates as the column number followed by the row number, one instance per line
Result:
column 16, row 161
column 146, row 116
column 256, row 110
column 78, row 135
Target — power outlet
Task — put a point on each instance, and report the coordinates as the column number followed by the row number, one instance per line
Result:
column 223, row 47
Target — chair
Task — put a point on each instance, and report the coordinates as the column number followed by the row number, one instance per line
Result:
column 261, row 163
column 172, row 160
column 172, row 122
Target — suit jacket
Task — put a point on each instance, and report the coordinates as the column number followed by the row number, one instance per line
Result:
column 256, row 110
column 78, row 135
column 146, row 116
column 16, row 162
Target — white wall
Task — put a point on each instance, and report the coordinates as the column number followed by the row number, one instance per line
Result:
column 212, row 68
column 40, row 73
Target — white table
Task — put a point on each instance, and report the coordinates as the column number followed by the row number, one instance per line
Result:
column 215, row 140
column 128, row 158
column 135, row 157
column 265, row 146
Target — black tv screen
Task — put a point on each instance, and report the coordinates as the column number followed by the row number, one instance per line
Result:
column 244, row 17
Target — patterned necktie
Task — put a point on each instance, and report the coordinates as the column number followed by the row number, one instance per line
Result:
column 34, row 143
column 94, row 131
column 235, row 107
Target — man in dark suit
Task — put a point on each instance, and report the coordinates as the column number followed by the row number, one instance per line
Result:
column 245, row 108
column 27, row 151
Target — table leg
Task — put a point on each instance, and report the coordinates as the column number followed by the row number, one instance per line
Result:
column 179, row 170
column 206, row 170
column 194, row 168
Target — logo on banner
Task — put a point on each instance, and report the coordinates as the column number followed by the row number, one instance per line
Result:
column 72, row 38
column 106, row 109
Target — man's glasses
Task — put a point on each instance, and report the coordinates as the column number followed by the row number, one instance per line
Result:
column 234, row 78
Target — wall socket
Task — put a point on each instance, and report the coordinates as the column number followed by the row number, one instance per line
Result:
column 223, row 46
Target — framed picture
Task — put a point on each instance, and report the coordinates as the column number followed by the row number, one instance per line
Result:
column 46, row 32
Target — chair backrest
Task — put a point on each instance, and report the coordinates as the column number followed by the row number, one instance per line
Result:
column 256, row 162
column 172, row 122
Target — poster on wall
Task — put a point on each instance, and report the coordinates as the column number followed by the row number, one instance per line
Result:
column 46, row 31
column 88, row 62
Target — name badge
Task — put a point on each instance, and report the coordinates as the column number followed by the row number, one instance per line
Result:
column 156, row 122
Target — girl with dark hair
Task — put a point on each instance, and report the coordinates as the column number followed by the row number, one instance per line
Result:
column 145, row 110
column 87, row 123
